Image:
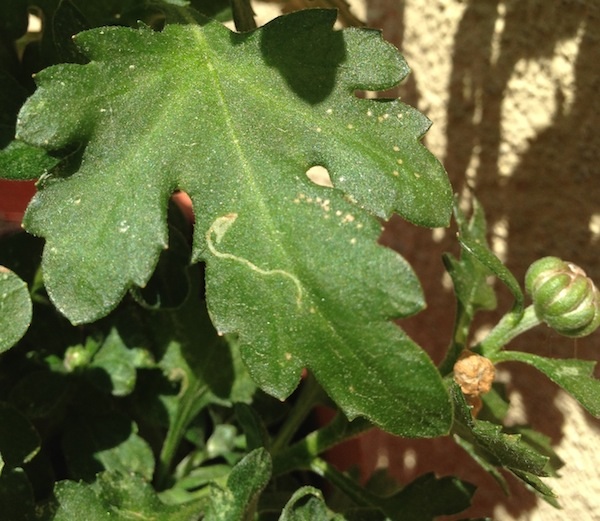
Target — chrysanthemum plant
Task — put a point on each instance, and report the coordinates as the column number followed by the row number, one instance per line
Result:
column 152, row 368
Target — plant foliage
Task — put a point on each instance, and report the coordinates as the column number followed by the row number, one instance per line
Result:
column 155, row 369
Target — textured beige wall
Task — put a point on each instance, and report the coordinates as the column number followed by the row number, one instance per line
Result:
column 512, row 88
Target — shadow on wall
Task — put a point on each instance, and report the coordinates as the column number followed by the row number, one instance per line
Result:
column 546, row 203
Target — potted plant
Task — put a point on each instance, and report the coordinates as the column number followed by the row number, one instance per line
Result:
column 155, row 368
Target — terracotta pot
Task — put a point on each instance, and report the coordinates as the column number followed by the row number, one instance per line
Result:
column 14, row 197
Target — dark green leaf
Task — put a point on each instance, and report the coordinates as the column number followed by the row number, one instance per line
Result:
column 41, row 394
column 16, row 496
column 428, row 497
column 105, row 442
column 573, row 375
column 235, row 121
column 169, row 285
column 13, row 19
column 19, row 441
column 238, row 500
column 252, row 425
column 15, row 309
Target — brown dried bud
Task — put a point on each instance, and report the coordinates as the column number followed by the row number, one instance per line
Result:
column 474, row 373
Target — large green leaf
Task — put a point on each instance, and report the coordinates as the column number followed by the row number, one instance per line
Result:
column 236, row 120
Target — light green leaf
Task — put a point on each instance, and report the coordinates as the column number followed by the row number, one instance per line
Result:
column 307, row 504
column 573, row 375
column 238, row 500
column 114, row 366
column 15, row 309
column 236, row 120
column 117, row 497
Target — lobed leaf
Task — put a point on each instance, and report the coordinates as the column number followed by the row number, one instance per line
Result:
column 236, row 120
column 493, row 448
column 117, row 497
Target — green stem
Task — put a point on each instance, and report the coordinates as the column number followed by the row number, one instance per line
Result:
column 302, row 454
column 348, row 486
column 459, row 340
column 308, row 398
column 191, row 402
column 512, row 325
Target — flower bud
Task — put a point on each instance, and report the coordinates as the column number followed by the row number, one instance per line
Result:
column 563, row 296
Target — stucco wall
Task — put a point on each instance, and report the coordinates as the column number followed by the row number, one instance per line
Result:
column 512, row 89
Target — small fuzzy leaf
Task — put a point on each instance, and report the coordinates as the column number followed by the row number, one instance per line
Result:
column 15, row 309
column 117, row 497
column 468, row 274
column 114, row 366
column 247, row 479
column 573, row 375
column 307, row 504
column 483, row 254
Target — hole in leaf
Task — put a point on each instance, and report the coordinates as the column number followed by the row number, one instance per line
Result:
column 319, row 175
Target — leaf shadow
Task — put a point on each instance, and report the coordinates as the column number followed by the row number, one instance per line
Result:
column 305, row 51
column 547, row 205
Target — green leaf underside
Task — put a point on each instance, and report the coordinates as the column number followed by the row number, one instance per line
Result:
column 15, row 308
column 573, row 375
column 293, row 267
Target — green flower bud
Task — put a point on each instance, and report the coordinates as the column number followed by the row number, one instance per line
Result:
column 563, row 296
